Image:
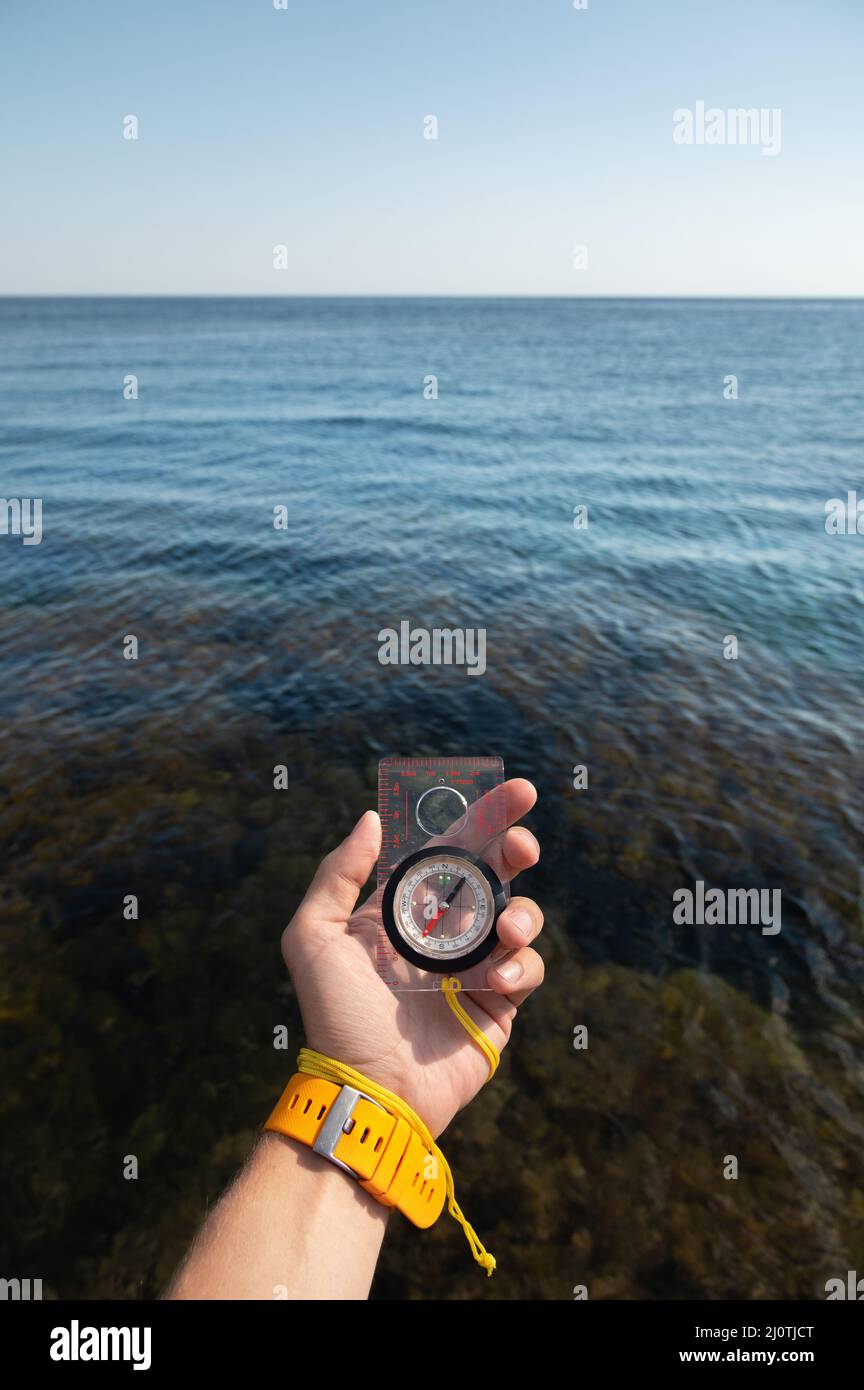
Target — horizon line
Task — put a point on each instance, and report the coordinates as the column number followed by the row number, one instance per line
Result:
column 162, row 294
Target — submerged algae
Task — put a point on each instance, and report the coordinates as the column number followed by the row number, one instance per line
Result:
column 155, row 1038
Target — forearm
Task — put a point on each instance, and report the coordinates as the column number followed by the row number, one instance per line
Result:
column 291, row 1226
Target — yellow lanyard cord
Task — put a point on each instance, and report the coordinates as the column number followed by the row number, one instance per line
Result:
column 450, row 987
column 327, row 1069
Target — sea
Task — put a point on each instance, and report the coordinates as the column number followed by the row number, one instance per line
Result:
column 631, row 499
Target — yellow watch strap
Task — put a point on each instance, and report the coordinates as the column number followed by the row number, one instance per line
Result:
column 385, row 1154
column 326, row 1100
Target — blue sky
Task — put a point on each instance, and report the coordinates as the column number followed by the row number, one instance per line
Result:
column 303, row 127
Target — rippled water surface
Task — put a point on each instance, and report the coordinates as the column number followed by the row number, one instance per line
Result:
column 604, row 648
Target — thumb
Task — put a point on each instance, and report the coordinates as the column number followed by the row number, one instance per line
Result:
column 334, row 890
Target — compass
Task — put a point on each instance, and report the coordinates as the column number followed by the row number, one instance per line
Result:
column 440, row 907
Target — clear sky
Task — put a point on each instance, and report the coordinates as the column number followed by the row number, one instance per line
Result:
column 304, row 127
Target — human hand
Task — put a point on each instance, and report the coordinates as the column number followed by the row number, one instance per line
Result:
column 410, row 1042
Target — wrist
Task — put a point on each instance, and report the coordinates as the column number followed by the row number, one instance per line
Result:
column 327, row 1183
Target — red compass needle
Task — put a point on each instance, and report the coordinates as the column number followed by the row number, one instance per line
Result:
column 447, row 901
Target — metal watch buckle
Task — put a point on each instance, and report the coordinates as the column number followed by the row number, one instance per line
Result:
column 341, row 1112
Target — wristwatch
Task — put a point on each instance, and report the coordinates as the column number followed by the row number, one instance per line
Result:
column 383, row 1152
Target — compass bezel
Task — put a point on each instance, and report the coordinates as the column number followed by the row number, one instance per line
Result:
column 388, row 913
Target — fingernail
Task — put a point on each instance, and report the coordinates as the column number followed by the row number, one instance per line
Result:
column 511, row 971
column 522, row 920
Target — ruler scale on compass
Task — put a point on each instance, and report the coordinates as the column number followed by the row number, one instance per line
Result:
column 439, row 899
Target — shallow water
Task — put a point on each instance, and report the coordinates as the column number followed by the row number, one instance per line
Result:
column 604, row 648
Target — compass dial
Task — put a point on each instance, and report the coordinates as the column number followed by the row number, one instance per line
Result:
column 440, row 907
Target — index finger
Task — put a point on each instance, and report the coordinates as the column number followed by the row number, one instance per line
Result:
column 482, row 830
